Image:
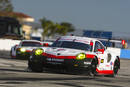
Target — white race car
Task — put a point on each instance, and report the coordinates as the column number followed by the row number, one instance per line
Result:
column 24, row 49
column 73, row 53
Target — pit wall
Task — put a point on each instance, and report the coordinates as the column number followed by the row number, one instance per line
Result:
column 6, row 44
column 125, row 53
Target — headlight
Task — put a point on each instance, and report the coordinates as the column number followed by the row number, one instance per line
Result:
column 81, row 56
column 22, row 50
column 38, row 52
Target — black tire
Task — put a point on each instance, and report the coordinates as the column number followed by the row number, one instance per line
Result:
column 94, row 66
column 17, row 56
column 115, row 68
column 11, row 54
column 35, row 67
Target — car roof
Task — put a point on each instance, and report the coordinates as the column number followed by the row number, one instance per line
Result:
column 30, row 41
column 86, row 40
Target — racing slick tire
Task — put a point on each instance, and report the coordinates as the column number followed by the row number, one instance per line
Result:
column 35, row 67
column 93, row 66
column 115, row 68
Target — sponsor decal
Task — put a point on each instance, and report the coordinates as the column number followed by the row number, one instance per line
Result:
column 55, row 63
column 55, row 60
column 107, row 65
column 61, row 50
column 102, row 60
column 111, row 63
column 88, row 63
column 64, row 39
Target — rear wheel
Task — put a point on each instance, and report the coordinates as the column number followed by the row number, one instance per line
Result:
column 115, row 68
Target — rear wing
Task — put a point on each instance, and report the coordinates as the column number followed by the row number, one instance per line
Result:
column 114, row 43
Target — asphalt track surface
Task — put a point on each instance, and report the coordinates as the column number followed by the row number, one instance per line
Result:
column 13, row 73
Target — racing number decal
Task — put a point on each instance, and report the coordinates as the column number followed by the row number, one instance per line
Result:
column 102, row 60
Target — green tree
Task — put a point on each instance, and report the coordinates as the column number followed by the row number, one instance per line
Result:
column 6, row 6
column 46, row 25
column 50, row 28
column 69, row 26
column 65, row 27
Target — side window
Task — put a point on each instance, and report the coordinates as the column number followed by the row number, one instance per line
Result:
column 98, row 45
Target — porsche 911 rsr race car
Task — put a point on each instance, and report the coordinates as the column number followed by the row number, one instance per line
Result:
column 75, row 53
column 23, row 50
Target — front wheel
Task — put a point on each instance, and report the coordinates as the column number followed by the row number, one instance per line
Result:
column 35, row 67
column 93, row 66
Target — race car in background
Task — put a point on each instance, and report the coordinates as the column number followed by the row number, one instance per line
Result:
column 23, row 50
column 75, row 53
column 48, row 41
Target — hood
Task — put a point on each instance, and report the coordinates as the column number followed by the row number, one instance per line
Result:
column 29, row 48
column 65, row 51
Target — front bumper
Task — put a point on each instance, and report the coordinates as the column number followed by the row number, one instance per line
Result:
column 21, row 55
column 62, row 63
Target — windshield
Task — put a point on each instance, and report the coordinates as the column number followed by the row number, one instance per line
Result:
column 72, row 45
column 31, row 44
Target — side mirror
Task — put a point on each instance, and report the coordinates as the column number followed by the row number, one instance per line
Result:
column 101, row 51
column 45, row 44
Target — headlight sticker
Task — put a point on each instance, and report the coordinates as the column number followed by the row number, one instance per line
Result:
column 81, row 56
column 38, row 52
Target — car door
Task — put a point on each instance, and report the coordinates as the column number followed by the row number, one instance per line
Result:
column 101, row 53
